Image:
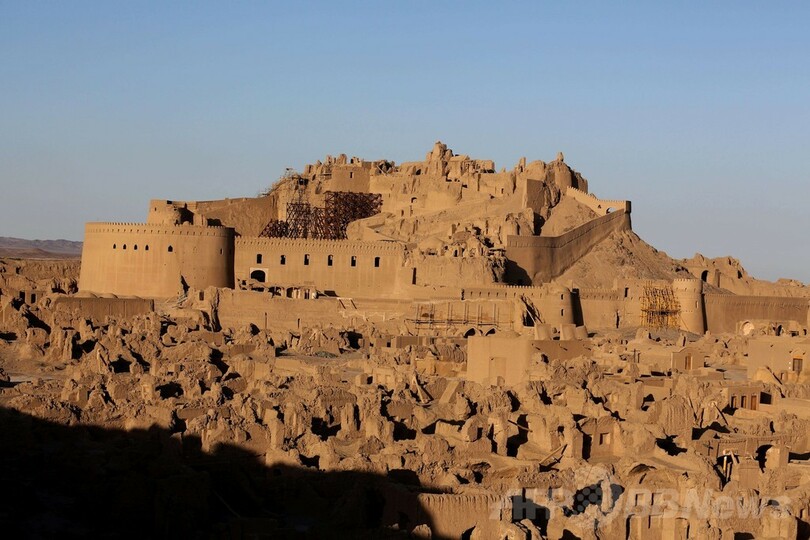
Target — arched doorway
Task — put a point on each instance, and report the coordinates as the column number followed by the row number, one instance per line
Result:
column 259, row 275
column 705, row 276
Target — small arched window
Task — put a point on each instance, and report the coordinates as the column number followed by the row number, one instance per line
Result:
column 306, row 259
column 115, row 246
column 376, row 262
column 124, row 246
column 135, row 247
column 258, row 258
column 329, row 260
column 283, row 260
column 146, row 247
column 171, row 249
column 354, row 260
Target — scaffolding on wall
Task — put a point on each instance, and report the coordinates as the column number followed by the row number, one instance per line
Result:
column 275, row 228
column 328, row 222
column 298, row 220
column 659, row 307
column 343, row 207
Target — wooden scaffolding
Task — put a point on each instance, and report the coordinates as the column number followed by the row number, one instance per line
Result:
column 659, row 307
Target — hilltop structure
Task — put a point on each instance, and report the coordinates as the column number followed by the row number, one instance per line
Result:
column 447, row 229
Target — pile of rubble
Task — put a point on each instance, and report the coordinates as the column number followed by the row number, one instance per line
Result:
column 171, row 425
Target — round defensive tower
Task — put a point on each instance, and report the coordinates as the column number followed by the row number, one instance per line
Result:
column 155, row 260
column 689, row 293
column 556, row 306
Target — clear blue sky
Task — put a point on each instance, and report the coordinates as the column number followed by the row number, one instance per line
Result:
column 697, row 111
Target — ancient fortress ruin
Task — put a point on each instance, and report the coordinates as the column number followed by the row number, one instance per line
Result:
column 430, row 349
column 444, row 231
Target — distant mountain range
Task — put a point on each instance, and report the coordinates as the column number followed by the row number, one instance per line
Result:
column 35, row 249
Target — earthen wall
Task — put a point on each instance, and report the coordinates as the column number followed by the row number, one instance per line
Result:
column 538, row 259
column 352, row 177
column 100, row 308
column 342, row 267
column 498, row 360
column 602, row 308
column 246, row 215
column 600, row 206
column 154, row 261
column 724, row 311
column 555, row 305
column 236, row 309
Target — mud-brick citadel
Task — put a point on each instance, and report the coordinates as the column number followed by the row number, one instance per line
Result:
column 436, row 241
column 475, row 337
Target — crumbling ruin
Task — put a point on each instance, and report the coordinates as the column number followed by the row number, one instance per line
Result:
column 430, row 349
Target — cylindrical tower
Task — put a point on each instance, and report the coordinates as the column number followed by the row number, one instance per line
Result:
column 556, row 306
column 155, row 260
column 689, row 293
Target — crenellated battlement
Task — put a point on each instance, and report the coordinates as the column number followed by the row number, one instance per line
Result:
column 497, row 292
column 562, row 240
column 317, row 245
column 148, row 228
column 600, row 206
column 688, row 283
column 599, row 294
column 758, row 301
column 505, row 287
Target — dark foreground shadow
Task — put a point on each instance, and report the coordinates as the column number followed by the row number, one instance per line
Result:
column 76, row 481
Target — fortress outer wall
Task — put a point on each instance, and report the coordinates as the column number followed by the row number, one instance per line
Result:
column 344, row 268
column 534, row 260
column 155, row 261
